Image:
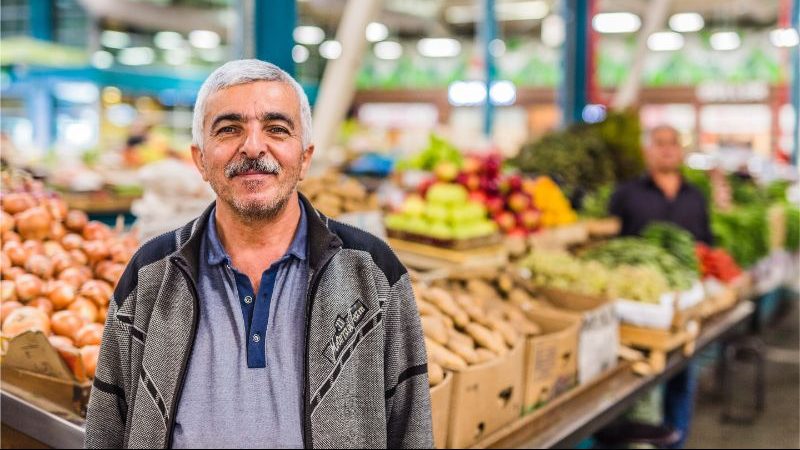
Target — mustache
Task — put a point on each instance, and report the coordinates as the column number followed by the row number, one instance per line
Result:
column 260, row 165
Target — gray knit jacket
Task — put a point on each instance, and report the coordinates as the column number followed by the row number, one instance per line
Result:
column 366, row 380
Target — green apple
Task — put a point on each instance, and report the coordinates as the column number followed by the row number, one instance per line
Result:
column 436, row 213
column 447, row 194
column 413, row 206
column 440, row 230
column 397, row 222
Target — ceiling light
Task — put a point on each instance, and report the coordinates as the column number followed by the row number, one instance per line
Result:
column 553, row 31
column 508, row 11
column 300, row 54
column 204, row 39
column 102, row 59
column 177, row 56
column 619, row 22
column 439, row 47
column 330, row 49
column 497, row 48
column 115, row 39
column 725, row 40
column 388, row 50
column 168, row 40
column 466, row 93
column 686, row 22
column 136, row 56
column 503, row 93
column 376, row 32
column 308, row 35
column 665, row 41
column 784, row 37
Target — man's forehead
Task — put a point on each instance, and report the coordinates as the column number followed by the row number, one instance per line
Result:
column 269, row 97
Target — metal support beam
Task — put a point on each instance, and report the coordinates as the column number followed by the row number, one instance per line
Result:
column 41, row 16
column 40, row 109
column 274, row 23
column 573, row 95
column 488, row 33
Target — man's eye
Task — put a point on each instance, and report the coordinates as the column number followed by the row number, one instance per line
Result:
column 226, row 130
column 278, row 130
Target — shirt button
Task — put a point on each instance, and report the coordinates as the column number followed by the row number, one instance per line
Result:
column 248, row 299
column 256, row 338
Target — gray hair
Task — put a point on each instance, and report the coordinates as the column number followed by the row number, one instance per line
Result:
column 245, row 71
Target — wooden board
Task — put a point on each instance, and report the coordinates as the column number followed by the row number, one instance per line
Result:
column 98, row 202
column 426, row 257
column 659, row 343
column 603, row 228
column 449, row 244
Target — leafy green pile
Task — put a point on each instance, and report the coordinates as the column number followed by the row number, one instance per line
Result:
column 743, row 232
column 439, row 150
column 676, row 241
column 595, row 204
column 639, row 252
column 700, row 180
column 792, row 227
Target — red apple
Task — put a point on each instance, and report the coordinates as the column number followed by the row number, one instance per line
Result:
column 519, row 202
column 478, row 197
column 473, row 182
column 517, row 232
column 495, row 205
column 530, row 219
column 515, row 183
column 472, row 165
column 506, row 221
column 424, row 186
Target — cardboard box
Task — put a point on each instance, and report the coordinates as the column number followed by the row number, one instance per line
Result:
column 37, row 372
column 486, row 397
column 598, row 341
column 551, row 359
column 441, row 395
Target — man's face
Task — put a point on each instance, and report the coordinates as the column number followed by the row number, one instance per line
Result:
column 664, row 154
column 252, row 154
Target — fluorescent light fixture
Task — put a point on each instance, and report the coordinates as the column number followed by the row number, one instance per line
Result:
column 177, row 56
column 725, row 40
column 77, row 92
column 79, row 134
column 204, row 39
column 506, row 12
column 497, row 48
column 503, row 93
column 466, row 93
column 784, row 37
column 330, row 49
column 686, row 22
column 136, row 56
column 593, row 113
column 115, row 39
column 665, row 41
column 439, row 47
column 300, row 54
column 308, row 35
column 168, row 40
column 377, row 32
column 212, row 55
column 553, row 31
column 388, row 50
column 102, row 59
column 618, row 22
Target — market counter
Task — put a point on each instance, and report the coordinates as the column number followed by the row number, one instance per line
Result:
column 562, row 424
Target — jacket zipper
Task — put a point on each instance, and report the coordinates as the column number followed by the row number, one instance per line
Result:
column 181, row 377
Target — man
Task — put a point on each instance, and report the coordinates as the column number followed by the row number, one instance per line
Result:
column 664, row 196
column 262, row 323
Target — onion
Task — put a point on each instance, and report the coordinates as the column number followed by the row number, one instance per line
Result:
column 62, row 293
column 96, row 231
column 102, row 314
column 67, row 323
column 97, row 291
column 52, row 248
column 34, row 223
column 61, row 342
column 96, row 251
column 33, row 247
column 40, row 265
column 112, row 273
column 79, row 257
column 57, row 231
column 28, row 287
column 25, row 319
column 15, row 252
column 8, row 291
column 74, row 276
column 89, row 356
column 89, row 334
column 6, row 222
column 43, row 304
column 76, row 220
column 9, row 236
column 61, row 262
column 120, row 252
column 84, row 308
column 70, row 354
column 13, row 273
column 56, row 207
column 7, row 308
column 17, row 202
column 5, row 262
column 72, row 241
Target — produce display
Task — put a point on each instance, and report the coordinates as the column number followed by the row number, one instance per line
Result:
column 58, row 273
column 439, row 153
column 793, row 228
column 729, row 228
column 595, row 204
column 335, row 194
column 445, row 213
column 639, row 252
column 676, row 241
column 717, row 263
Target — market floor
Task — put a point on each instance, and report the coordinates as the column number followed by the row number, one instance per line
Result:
column 779, row 426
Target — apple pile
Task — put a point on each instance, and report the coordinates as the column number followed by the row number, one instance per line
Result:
column 445, row 212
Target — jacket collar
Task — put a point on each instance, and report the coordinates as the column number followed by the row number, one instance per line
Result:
column 321, row 240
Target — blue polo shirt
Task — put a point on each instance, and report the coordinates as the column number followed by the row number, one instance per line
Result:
column 244, row 381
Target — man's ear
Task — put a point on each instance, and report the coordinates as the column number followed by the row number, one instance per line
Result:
column 197, row 157
column 306, row 164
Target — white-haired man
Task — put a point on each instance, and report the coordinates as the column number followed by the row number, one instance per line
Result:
column 262, row 323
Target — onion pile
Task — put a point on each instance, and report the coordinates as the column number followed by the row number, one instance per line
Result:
column 58, row 271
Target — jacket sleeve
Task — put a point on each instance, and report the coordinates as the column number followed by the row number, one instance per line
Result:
column 108, row 408
column 408, row 401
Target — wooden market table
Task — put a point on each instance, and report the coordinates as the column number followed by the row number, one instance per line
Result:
column 577, row 415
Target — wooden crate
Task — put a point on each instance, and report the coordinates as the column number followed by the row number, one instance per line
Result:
column 427, row 257
column 447, row 244
column 660, row 343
